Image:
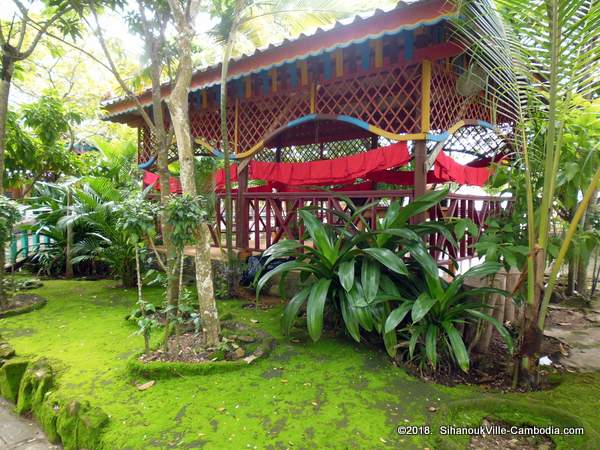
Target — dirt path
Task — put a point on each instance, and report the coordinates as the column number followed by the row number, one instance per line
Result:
column 18, row 433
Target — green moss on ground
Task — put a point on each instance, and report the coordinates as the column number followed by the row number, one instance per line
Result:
column 330, row 394
column 11, row 373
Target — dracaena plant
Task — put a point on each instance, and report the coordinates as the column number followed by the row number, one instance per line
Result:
column 352, row 268
column 431, row 313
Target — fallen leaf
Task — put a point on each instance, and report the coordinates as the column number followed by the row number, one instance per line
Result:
column 383, row 440
column 253, row 320
column 284, row 380
column 432, row 409
column 148, row 385
column 221, row 409
column 315, row 403
column 250, row 358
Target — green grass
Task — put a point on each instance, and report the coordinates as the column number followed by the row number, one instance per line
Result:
column 330, row 394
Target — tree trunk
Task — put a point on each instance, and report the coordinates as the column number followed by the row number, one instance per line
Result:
column 162, row 154
column 179, row 109
column 226, row 151
column 584, row 259
column 68, row 262
column 5, row 80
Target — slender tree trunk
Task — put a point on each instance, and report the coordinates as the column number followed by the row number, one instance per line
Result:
column 68, row 262
column 226, row 150
column 162, row 153
column 138, row 273
column 584, row 260
column 5, row 80
column 179, row 109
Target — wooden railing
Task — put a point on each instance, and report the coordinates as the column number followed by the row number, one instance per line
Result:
column 267, row 218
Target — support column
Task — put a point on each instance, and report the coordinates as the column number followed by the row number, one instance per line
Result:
column 420, row 185
column 242, row 209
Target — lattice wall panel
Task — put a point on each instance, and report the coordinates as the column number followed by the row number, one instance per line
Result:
column 477, row 141
column 447, row 106
column 146, row 143
column 315, row 152
column 389, row 99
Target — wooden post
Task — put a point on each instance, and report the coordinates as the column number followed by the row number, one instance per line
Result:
column 420, row 185
column 242, row 210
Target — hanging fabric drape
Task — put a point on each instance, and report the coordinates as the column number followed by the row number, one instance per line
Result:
column 372, row 166
column 332, row 171
column 447, row 169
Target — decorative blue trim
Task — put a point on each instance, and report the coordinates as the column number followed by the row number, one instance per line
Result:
column 239, row 87
column 409, row 44
column 365, row 55
column 414, row 26
column 293, row 70
column 327, row 67
column 264, row 76
column 441, row 137
column 301, row 120
column 147, row 164
column 354, row 121
column 483, row 123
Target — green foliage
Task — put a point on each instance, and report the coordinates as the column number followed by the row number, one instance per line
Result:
column 137, row 218
column 94, row 214
column 184, row 214
column 363, row 276
column 437, row 311
column 37, row 141
column 504, row 241
column 9, row 216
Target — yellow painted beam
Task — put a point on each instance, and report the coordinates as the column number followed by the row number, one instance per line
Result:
column 303, row 73
column 235, row 130
column 313, row 95
column 339, row 62
column 425, row 95
column 378, row 50
column 274, row 78
column 248, row 86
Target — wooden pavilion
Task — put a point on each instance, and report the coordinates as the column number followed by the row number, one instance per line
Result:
column 385, row 99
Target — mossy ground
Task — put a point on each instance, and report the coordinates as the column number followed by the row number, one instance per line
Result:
column 330, row 394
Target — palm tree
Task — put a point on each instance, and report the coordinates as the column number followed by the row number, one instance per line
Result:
column 538, row 56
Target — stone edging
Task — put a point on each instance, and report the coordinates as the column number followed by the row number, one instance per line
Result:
column 504, row 410
column 40, row 303
column 162, row 370
column 30, row 384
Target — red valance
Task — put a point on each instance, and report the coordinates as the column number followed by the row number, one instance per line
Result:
column 372, row 165
column 447, row 169
column 152, row 178
column 333, row 171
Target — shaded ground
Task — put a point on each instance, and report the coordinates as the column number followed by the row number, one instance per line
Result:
column 330, row 394
column 579, row 330
column 18, row 433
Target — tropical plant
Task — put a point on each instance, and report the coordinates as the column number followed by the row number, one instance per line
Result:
column 9, row 216
column 137, row 221
column 90, row 207
column 362, row 274
column 433, row 314
column 538, row 58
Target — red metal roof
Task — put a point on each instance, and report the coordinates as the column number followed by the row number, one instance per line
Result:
column 404, row 16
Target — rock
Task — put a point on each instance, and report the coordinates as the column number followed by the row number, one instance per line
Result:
column 11, row 374
column 37, row 380
column 543, row 447
column 246, row 338
column 146, row 386
column 6, row 350
column 238, row 353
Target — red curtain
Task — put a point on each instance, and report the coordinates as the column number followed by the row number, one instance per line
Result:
column 334, row 171
column 371, row 165
column 446, row 168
